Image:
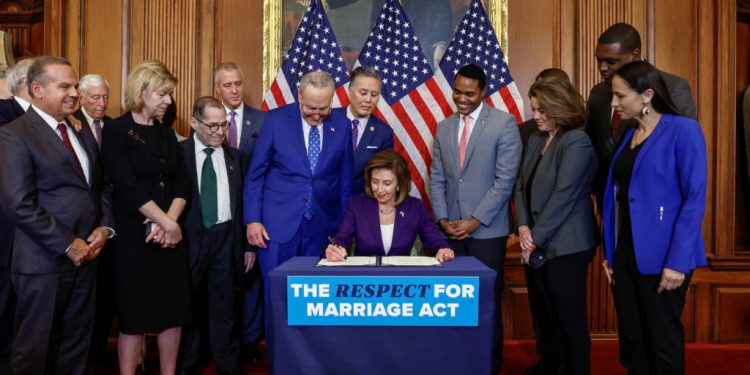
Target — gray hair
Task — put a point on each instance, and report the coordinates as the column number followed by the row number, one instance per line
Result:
column 38, row 68
column 91, row 80
column 17, row 75
column 316, row 78
column 227, row 66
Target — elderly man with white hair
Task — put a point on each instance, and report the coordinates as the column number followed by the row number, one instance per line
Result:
column 16, row 106
column 94, row 92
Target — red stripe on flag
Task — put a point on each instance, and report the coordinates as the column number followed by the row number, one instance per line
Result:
column 423, row 110
column 408, row 125
column 419, row 182
column 343, row 96
column 278, row 96
column 510, row 103
column 439, row 96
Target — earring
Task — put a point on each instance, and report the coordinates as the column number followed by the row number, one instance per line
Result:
column 645, row 110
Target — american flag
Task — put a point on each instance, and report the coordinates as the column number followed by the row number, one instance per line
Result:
column 314, row 48
column 475, row 43
column 412, row 103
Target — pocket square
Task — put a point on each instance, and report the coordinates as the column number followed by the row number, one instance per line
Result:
column 371, row 147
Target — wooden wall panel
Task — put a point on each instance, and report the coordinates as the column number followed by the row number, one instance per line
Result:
column 241, row 30
column 101, row 51
column 731, row 310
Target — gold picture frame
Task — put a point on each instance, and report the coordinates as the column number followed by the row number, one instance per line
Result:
column 272, row 32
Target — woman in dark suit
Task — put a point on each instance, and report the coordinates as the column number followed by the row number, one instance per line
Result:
column 654, row 202
column 151, row 188
column 556, row 225
column 385, row 220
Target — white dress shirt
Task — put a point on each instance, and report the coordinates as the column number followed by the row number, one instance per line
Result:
column 77, row 146
column 386, row 231
column 362, row 123
column 473, row 120
column 222, row 181
column 239, row 112
column 24, row 104
column 306, row 133
column 90, row 122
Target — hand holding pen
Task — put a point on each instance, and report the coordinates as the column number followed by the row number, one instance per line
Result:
column 334, row 252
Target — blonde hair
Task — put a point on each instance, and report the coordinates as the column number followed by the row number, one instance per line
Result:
column 148, row 76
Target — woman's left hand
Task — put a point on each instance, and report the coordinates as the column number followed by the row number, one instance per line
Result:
column 444, row 255
column 670, row 280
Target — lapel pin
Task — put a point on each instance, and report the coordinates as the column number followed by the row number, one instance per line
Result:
column 484, row 121
column 247, row 122
column 372, row 128
column 333, row 130
column 401, row 213
column 231, row 168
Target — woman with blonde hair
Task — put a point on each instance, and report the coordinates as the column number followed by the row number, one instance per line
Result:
column 150, row 189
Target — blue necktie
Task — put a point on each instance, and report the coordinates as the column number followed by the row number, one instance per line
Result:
column 313, row 151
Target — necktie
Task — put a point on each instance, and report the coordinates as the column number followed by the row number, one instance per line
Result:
column 208, row 191
column 98, row 129
column 464, row 141
column 313, row 151
column 615, row 126
column 355, row 133
column 232, row 130
column 64, row 133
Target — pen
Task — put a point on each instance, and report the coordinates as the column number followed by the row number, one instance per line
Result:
column 333, row 242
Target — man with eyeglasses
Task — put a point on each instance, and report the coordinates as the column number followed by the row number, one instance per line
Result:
column 300, row 178
column 214, row 233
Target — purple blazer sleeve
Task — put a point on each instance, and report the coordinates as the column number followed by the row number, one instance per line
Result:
column 432, row 239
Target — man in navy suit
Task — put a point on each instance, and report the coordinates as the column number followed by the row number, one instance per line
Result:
column 369, row 134
column 244, row 127
column 10, row 109
column 215, row 237
column 300, row 178
column 51, row 190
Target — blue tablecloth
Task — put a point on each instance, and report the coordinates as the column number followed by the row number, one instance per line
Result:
column 379, row 350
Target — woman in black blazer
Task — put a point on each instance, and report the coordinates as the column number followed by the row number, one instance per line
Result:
column 556, row 225
column 151, row 188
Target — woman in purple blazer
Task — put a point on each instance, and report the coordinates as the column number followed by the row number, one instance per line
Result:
column 385, row 220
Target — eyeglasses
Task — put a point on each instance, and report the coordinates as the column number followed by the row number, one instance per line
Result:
column 213, row 128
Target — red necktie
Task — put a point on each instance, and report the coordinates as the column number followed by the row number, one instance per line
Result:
column 615, row 125
column 64, row 133
column 464, row 141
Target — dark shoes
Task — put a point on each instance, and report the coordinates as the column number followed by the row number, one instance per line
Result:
column 250, row 353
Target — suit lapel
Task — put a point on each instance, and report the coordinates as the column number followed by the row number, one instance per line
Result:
column 54, row 140
column 193, row 170
column 84, row 139
column 232, row 168
column 453, row 142
column 649, row 142
column 373, row 217
column 297, row 137
column 329, row 132
column 247, row 127
column 476, row 133
column 367, row 134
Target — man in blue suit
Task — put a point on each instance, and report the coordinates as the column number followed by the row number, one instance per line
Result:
column 300, row 178
column 369, row 134
column 244, row 127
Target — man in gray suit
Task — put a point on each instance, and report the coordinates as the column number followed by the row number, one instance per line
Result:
column 475, row 160
column 51, row 191
column 617, row 46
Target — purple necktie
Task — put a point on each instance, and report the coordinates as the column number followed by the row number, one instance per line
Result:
column 355, row 133
column 232, row 130
column 98, row 129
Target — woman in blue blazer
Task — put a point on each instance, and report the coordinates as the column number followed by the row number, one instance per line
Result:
column 385, row 220
column 653, row 208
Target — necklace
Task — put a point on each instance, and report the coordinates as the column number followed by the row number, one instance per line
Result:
column 387, row 211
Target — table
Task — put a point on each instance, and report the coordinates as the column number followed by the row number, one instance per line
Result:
column 379, row 349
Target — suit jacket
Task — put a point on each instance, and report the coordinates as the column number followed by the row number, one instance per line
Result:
column 561, row 215
column 46, row 197
column 194, row 229
column 377, row 136
column 667, row 198
column 527, row 128
column 10, row 110
column 280, row 174
column 599, row 122
column 362, row 223
column 252, row 120
column 82, row 118
column 483, row 187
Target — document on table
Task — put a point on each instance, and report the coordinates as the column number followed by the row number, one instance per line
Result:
column 410, row 261
column 351, row 261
